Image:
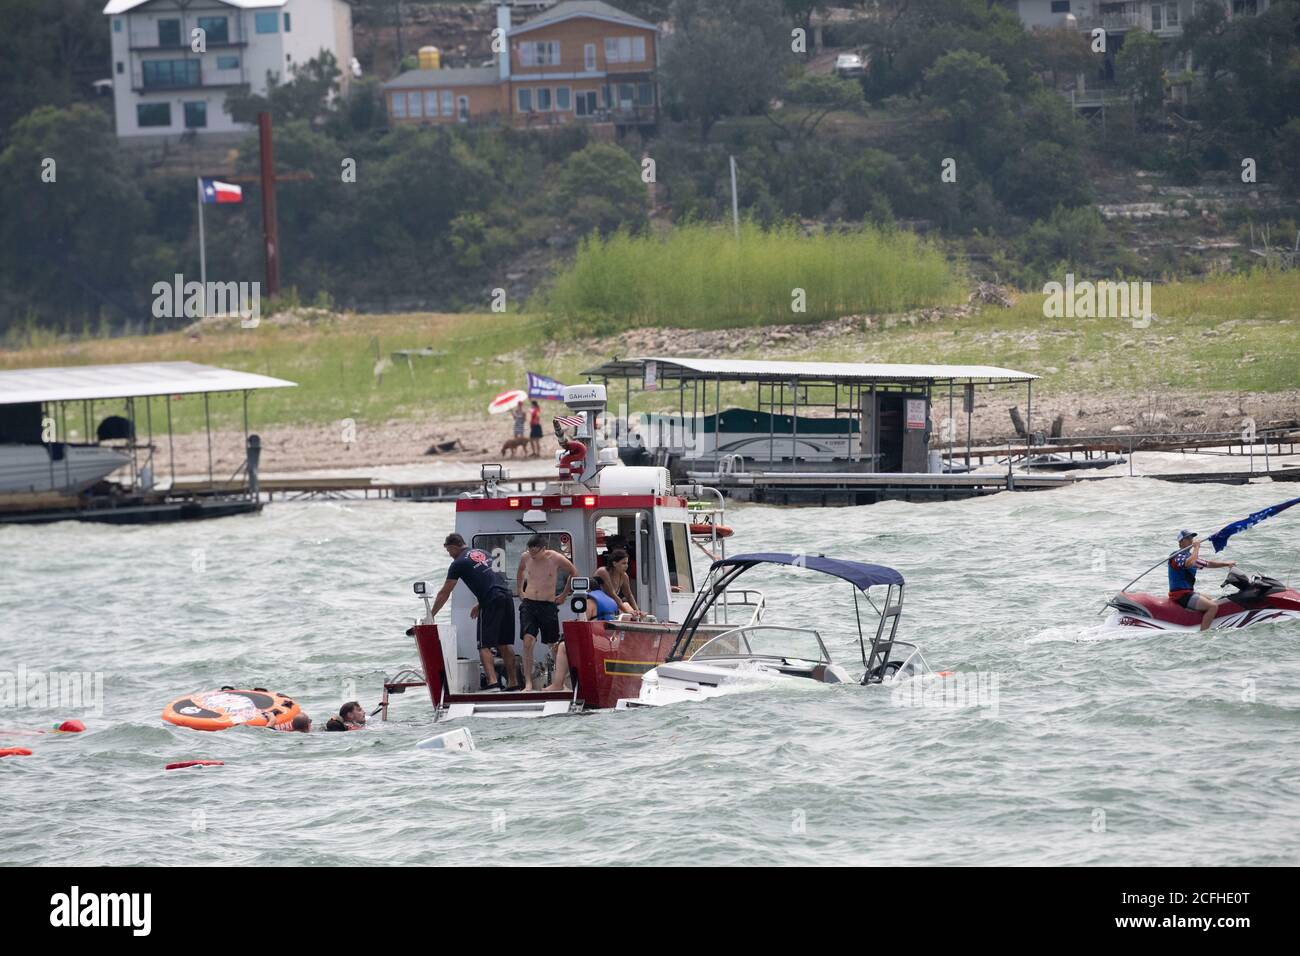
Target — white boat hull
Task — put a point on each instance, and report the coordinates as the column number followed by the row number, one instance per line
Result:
column 681, row 681
column 29, row 468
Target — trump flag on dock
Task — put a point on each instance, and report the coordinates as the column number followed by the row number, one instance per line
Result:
column 539, row 386
column 1220, row 538
column 214, row 190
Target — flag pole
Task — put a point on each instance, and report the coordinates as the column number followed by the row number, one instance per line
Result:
column 203, row 252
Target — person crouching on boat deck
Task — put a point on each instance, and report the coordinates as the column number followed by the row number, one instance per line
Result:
column 539, row 612
column 1182, row 577
column 495, row 611
column 615, row 581
column 600, row 607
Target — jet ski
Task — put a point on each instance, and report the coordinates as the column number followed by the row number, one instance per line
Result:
column 1255, row 599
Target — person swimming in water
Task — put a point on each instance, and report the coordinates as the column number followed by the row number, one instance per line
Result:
column 1182, row 566
column 301, row 724
column 351, row 716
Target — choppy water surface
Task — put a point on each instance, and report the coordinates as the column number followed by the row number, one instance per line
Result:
column 1100, row 749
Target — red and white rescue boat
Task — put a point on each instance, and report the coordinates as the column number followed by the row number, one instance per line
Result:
column 594, row 498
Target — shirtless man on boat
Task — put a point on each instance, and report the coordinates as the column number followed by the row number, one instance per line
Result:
column 539, row 601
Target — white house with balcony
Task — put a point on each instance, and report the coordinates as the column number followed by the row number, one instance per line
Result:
column 174, row 61
column 1164, row 18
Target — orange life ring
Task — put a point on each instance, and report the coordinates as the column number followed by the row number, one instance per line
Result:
column 15, row 752
column 226, row 708
column 708, row 529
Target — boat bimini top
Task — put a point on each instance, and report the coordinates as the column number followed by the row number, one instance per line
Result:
column 879, row 662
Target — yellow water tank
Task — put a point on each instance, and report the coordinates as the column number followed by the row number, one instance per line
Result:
column 430, row 58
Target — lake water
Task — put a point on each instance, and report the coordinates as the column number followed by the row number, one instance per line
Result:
column 1092, row 745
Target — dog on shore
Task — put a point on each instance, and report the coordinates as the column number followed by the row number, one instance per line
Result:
column 518, row 442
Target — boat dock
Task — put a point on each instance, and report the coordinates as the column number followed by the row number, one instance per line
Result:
column 364, row 488
column 864, row 488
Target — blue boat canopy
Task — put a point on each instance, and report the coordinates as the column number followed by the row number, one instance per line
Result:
column 855, row 572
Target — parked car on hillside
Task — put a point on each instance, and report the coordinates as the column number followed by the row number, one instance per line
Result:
column 849, row 65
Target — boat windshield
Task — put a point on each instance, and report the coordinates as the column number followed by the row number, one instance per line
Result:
column 765, row 640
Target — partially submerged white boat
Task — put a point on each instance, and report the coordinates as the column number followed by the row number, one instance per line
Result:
column 759, row 655
column 56, row 466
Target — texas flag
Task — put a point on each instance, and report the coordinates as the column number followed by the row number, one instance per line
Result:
column 216, row 191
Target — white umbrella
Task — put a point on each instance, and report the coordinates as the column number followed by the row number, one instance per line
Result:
column 506, row 401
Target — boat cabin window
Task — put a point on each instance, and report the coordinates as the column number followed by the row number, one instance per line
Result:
column 508, row 549
column 621, row 526
column 677, row 549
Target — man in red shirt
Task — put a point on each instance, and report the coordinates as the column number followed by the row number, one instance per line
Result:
column 535, row 429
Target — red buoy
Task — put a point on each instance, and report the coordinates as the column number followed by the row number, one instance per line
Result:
column 194, row 763
column 71, row 727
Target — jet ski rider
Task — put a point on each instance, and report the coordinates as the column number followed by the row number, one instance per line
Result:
column 1183, row 565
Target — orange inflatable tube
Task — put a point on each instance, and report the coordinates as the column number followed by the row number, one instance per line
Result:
column 230, row 707
column 706, row 529
column 15, row 752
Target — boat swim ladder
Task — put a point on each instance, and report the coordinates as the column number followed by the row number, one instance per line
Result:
column 881, row 647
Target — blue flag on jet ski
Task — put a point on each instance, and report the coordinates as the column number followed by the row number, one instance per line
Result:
column 1220, row 538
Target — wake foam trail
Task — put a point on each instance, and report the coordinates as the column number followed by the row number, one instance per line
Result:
column 1090, row 634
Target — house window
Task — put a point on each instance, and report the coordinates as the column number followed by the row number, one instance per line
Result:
column 196, row 115
column 266, row 23
column 563, row 101
column 169, row 33
column 169, row 73
column 463, row 103
column 544, row 98
column 413, row 105
column 645, row 94
column 286, row 23
column 448, row 103
column 117, row 25
column 625, row 95
column 589, row 58
column 430, row 102
column 216, row 29
column 153, row 114
column 624, row 49
column 120, row 68
column 1060, row 6
column 525, row 100
column 398, row 104
column 543, row 53
column 1246, row 8
column 586, row 103
column 227, row 63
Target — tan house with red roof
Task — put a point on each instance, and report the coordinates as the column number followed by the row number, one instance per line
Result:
column 580, row 61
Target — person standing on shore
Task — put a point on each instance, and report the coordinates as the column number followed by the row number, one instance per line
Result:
column 535, row 429
column 495, row 611
column 540, row 597
column 520, row 417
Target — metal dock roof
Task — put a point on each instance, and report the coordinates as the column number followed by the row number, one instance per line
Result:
column 747, row 370
column 131, row 380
